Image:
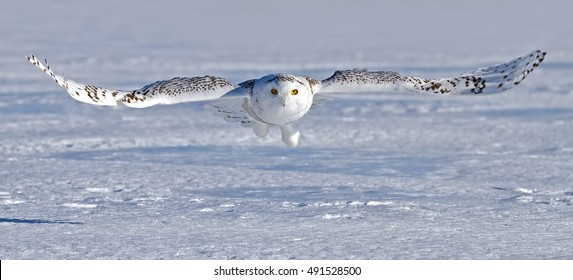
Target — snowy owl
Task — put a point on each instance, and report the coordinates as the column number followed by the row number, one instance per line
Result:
column 283, row 99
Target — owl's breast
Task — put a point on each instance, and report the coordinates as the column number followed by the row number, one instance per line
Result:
column 279, row 110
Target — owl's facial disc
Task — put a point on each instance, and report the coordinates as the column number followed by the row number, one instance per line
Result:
column 284, row 97
column 281, row 99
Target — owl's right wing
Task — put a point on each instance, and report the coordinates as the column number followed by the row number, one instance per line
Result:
column 176, row 90
column 486, row 80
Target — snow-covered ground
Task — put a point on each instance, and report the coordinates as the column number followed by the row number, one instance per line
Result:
column 374, row 177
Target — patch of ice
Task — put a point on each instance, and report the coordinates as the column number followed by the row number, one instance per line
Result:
column 378, row 203
column 12, row 202
column 79, row 205
column 356, row 203
column 287, row 204
column 525, row 199
column 99, row 190
column 526, row 191
column 149, row 199
column 206, row 210
column 330, row 217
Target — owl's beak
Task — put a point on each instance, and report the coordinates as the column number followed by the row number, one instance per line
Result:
column 284, row 100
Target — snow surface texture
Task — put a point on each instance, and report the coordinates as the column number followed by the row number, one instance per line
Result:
column 375, row 177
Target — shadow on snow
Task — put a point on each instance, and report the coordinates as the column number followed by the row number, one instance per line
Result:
column 323, row 161
column 36, row 221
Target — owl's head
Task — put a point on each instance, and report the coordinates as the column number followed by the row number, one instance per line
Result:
column 281, row 98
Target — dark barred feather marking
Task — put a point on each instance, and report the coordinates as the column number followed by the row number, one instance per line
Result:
column 176, row 90
column 180, row 89
column 84, row 93
column 487, row 80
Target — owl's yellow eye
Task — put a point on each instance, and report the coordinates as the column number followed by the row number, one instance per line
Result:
column 294, row 92
column 274, row 91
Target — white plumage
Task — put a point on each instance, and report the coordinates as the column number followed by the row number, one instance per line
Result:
column 283, row 99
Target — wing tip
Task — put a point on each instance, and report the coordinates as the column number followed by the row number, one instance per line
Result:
column 42, row 66
column 539, row 58
column 34, row 60
column 534, row 59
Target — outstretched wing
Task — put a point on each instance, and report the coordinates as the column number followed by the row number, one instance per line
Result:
column 232, row 110
column 176, row 90
column 235, row 109
column 487, row 80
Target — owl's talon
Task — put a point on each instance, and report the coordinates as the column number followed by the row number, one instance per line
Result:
column 290, row 135
column 260, row 129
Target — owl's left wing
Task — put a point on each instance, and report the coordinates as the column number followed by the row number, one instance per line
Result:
column 486, row 80
column 176, row 90
column 235, row 110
